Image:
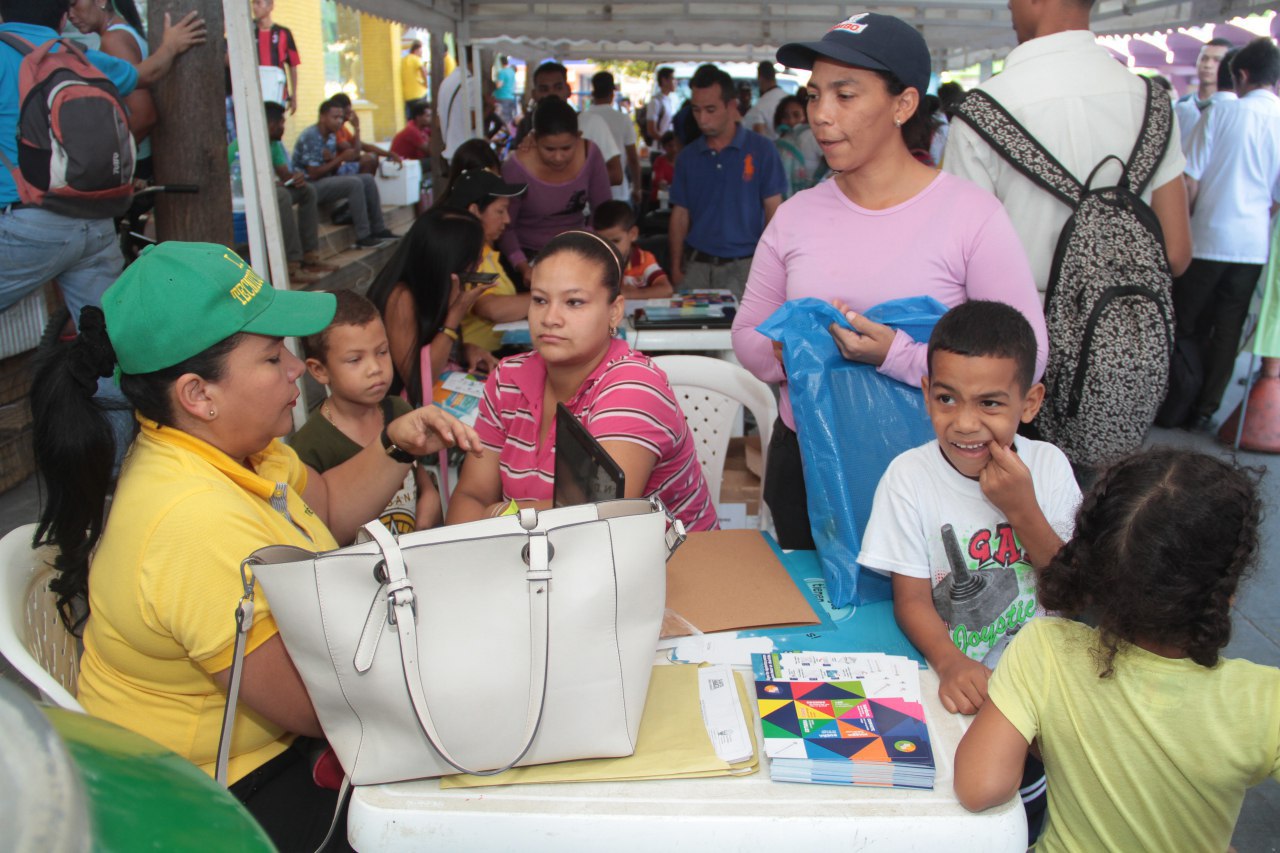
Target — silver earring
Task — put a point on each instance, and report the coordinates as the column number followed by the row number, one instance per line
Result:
column 897, row 122
column 212, row 413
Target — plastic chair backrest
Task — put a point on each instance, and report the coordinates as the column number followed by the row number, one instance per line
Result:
column 711, row 392
column 32, row 636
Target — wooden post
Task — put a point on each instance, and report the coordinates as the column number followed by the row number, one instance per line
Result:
column 189, row 143
column 437, row 138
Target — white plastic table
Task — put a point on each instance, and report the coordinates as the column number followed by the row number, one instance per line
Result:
column 725, row 813
column 713, row 342
column 716, row 343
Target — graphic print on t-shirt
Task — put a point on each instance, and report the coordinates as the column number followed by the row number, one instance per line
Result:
column 576, row 203
column 988, row 593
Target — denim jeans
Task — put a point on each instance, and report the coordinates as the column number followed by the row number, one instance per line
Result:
column 83, row 256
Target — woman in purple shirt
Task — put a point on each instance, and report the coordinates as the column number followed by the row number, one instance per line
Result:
column 564, row 172
column 885, row 227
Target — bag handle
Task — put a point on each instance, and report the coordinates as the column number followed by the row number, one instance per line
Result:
column 402, row 611
column 244, row 621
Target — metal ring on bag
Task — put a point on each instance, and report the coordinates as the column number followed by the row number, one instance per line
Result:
column 380, row 572
column 551, row 553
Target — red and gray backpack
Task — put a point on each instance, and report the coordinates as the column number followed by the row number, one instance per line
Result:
column 75, row 152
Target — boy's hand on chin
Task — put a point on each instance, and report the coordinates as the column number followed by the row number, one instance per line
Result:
column 1006, row 481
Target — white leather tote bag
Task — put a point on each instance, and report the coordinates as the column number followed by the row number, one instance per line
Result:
column 510, row 641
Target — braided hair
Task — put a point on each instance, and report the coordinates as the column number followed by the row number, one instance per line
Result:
column 1161, row 542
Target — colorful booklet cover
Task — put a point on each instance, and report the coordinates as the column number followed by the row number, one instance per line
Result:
column 459, row 394
column 843, row 719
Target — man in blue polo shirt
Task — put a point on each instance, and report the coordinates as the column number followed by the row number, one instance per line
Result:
column 727, row 186
column 36, row 246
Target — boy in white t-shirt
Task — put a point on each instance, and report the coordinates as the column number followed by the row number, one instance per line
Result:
column 962, row 522
column 1008, row 500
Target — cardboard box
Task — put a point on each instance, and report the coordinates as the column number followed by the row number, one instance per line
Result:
column 739, row 504
column 400, row 185
column 723, row 580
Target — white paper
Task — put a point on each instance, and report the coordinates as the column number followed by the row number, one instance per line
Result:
column 722, row 713
column 724, row 648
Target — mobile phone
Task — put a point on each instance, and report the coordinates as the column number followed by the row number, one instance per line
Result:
column 473, row 279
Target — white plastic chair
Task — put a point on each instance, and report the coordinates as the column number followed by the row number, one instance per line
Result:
column 711, row 392
column 32, row 637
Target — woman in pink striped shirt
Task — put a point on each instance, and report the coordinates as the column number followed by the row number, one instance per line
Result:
column 618, row 394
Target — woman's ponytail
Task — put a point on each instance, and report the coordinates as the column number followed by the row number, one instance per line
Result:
column 74, row 453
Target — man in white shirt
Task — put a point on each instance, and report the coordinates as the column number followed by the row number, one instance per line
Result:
column 1233, row 184
column 1080, row 104
column 1189, row 106
column 660, row 110
column 624, row 134
column 451, row 102
column 1226, row 92
column 760, row 117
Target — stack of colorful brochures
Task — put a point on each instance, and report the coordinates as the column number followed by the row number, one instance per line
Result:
column 836, row 718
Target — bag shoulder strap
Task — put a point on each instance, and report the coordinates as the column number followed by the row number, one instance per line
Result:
column 1153, row 139
column 18, row 43
column 999, row 129
column 244, row 621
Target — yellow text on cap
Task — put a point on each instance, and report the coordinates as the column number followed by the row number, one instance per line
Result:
column 248, row 285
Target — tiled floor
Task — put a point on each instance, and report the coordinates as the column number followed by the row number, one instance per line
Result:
column 1256, row 633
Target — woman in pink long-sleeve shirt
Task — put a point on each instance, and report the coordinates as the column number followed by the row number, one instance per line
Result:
column 885, row 227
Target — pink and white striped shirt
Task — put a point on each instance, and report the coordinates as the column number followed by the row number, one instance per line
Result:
column 626, row 398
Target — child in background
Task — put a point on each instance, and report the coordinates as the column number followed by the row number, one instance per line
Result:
column 664, row 166
column 1149, row 737
column 353, row 359
column 643, row 278
column 1007, row 500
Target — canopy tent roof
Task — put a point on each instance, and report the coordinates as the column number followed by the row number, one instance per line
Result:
column 959, row 32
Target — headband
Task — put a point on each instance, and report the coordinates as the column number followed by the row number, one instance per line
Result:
column 613, row 250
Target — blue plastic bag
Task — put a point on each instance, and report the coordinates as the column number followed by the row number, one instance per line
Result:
column 851, row 421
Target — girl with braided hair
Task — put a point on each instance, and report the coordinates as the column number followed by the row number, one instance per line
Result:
column 1149, row 737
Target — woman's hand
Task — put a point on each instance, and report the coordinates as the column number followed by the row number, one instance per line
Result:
column 867, row 342
column 429, row 430
column 479, row 359
column 462, row 300
column 187, row 33
column 526, row 272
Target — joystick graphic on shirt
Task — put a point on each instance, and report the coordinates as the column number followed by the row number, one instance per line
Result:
column 974, row 599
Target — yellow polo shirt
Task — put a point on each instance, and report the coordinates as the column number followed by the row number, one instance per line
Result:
column 164, row 584
column 476, row 329
column 411, row 77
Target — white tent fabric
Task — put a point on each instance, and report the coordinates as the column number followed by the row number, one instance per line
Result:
column 959, row 32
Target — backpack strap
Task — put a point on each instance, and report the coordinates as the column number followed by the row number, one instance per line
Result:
column 18, row 43
column 999, row 129
column 1153, row 139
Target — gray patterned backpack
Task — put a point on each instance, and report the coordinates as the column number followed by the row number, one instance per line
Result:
column 1108, row 304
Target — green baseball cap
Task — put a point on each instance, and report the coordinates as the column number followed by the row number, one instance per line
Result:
column 178, row 299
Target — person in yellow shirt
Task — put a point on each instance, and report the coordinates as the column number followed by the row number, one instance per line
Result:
column 1149, row 736
column 413, row 77
column 196, row 340
column 486, row 196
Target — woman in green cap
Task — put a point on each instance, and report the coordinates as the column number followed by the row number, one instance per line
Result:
column 196, row 339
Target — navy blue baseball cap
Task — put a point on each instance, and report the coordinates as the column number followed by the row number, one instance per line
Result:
column 868, row 40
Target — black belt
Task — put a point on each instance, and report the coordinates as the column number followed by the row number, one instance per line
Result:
column 11, row 207
column 714, row 260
